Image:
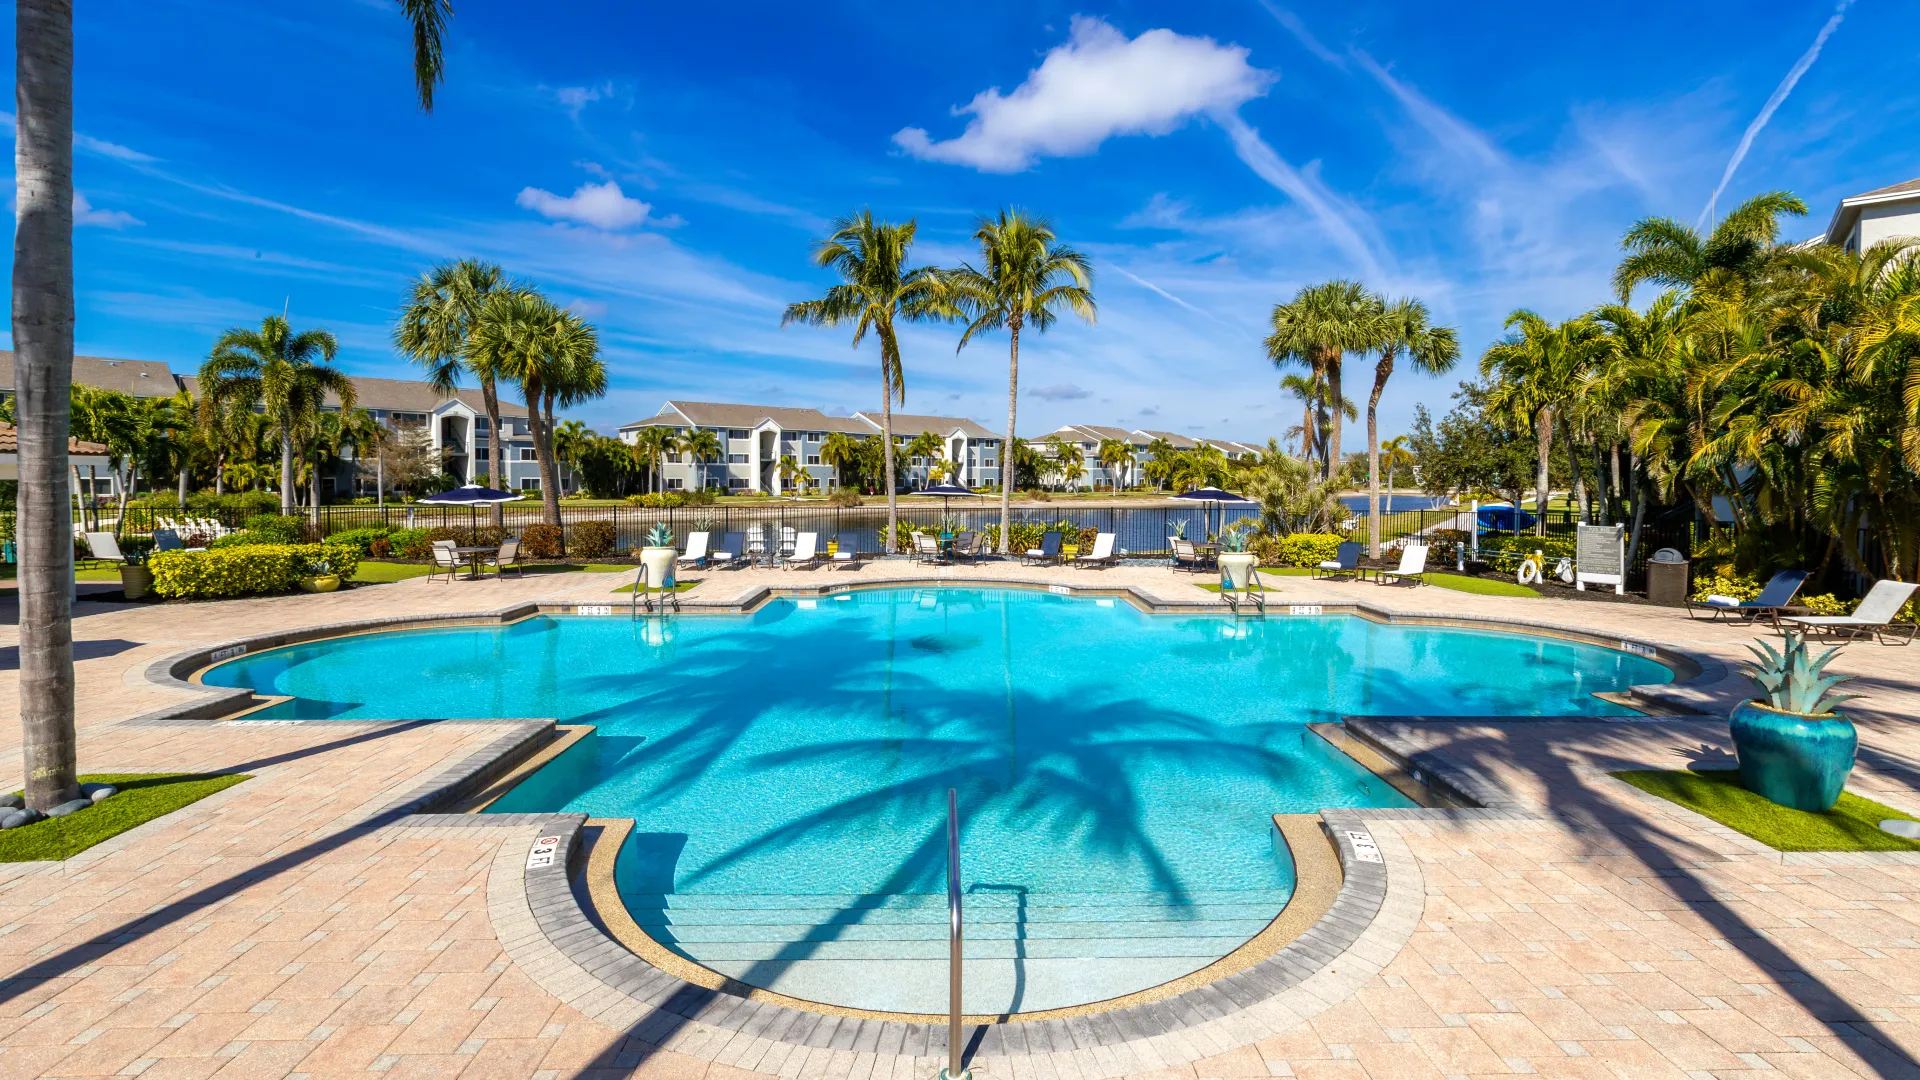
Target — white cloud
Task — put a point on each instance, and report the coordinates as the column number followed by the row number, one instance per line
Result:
column 1097, row 85
column 1060, row 392
column 602, row 206
column 84, row 213
column 575, row 98
column 110, row 149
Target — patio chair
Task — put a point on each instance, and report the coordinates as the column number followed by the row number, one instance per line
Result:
column 1872, row 617
column 508, row 558
column 846, row 551
column 696, row 553
column 806, row 551
column 1413, row 567
column 966, row 545
column 1774, row 600
column 1345, row 563
column 1048, row 551
column 445, row 560
column 169, row 540
column 1186, row 556
column 104, row 547
column 732, row 552
column 1102, row 553
column 756, row 544
column 789, row 538
column 926, row 549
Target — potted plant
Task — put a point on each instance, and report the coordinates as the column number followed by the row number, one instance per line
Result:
column 659, row 554
column 1176, row 531
column 1236, row 562
column 1793, row 748
column 319, row 578
column 136, row 577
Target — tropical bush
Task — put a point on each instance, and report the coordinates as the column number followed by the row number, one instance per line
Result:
column 1725, row 581
column 275, row 528
column 591, row 539
column 400, row 542
column 246, row 570
column 361, row 539
column 667, row 500
column 1555, row 547
column 541, row 541
column 1297, row 549
column 844, row 497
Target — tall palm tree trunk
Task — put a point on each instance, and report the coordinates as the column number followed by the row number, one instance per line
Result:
column 43, row 377
column 1381, row 372
column 496, row 453
column 286, row 470
column 1339, row 401
column 1007, row 468
column 183, row 486
column 1581, row 506
column 886, row 434
column 549, row 469
column 1543, row 440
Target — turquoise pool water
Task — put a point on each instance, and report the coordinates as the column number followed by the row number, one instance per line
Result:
column 787, row 771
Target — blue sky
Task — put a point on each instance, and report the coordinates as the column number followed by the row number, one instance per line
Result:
column 664, row 167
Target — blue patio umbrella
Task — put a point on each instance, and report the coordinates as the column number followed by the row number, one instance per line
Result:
column 945, row 492
column 472, row 495
column 1210, row 496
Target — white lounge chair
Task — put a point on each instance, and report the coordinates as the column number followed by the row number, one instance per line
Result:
column 846, row 551
column 696, row 554
column 806, row 551
column 104, row 547
column 1413, row 567
column 1102, row 553
column 1872, row 617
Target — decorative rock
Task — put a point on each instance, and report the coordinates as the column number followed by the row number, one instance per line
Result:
column 69, row 807
column 96, row 792
column 12, row 802
column 1898, row 827
column 13, row 819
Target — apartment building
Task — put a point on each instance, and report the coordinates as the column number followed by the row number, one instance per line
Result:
column 970, row 451
column 754, row 439
column 1861, row 221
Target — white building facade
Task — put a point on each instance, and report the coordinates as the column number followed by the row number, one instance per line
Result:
column 970, row 454
column 1888, row 213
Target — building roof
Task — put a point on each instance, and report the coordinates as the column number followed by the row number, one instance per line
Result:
column 1180, row 442
column 911, row 424
column 1848, row 212
column 10, row 443
column 712, row 414
column 141, row 378
column 416, row 395
column 1100, row 432
column 1229, row 446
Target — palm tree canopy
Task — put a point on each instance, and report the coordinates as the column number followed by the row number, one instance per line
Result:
column 1027, row 277
column 429, row 19
column 1324, row 322
column 1670, row 253
column 1407, row 329
column 286, row 374
column 877, row 287
column 440, row 310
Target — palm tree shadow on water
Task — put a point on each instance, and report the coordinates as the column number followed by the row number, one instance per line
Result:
column 1674, row 860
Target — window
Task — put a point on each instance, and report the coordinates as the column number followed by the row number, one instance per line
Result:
column 737, row 459
column 526, row 453
column 813, row 459
column 813, row 436
column 481, row 423
column 736, row 482
column 673, row 458
column 674, row 483
column 737, row 433
column 531, row 483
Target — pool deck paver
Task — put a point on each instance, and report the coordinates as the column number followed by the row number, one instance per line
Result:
column 280, row 928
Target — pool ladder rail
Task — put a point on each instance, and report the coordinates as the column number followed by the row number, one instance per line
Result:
column 669, row 593
column 1253, row 598
column 953, row 1071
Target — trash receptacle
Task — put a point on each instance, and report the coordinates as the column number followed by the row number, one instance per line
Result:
column 1667, row 577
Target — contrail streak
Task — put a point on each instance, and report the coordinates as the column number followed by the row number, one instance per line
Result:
column 1780, row 93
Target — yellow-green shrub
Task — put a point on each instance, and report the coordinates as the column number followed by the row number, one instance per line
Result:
column 1297, row 549
column 246, row 571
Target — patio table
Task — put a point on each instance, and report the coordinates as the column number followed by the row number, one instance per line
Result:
column 475, row 553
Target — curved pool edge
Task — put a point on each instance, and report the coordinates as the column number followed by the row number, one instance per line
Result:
column 1317, row 881
column 183, row 671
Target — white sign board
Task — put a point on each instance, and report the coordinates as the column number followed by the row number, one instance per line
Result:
column 543, row 852
column 1600, row 557
column 1364, row 849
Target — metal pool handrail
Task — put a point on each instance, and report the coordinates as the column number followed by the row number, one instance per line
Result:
column 953, row 1071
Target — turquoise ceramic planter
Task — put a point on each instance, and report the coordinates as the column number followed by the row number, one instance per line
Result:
column 1797, row 761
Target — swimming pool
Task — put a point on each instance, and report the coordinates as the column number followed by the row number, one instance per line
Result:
column 787, row 770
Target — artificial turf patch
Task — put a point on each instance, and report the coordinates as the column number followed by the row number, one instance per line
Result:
column 141, row 798
column 1852, row 825
column 1479, row 586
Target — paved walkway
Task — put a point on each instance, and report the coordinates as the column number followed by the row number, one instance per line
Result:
column 286, row 927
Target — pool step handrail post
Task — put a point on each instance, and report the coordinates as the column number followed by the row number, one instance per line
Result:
column 953, row 1071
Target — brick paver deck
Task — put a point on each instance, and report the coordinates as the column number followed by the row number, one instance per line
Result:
column 294, row 925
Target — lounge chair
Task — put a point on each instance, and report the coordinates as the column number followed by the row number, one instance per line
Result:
column 1873, row 617
column 806, row 551
column 846, row 551
column 1187, row 556
column 732, row 551
column 926, row 549
column 169, row 540
column 508, row 558
column 1413, row 567
column 756, row 545
column 1774, row 600
column 104, row 547
column 445, row 560
column 1345, row 563
column 1048, row 551
column 696, row 553
column 1102, row 553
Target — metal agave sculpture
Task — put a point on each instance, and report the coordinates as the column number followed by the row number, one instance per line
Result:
column 1792, row 679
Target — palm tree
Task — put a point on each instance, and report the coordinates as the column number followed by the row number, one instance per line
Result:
column 1028, row 277
column 438, row 315
column 1536, row 369
column 1066, row 460
column 925, row 445
column 701, row 446
column 1316, row 330
column 286, row 375
column 571, row 442
column 1671, row 253
column 368, row 437
column 842, row 451
column 1115, row 456
column 43, row 358
column 1395, row 454
column 553, row 354
column 651, row 445
column 1159, row 466
column 791, row 473
column 877, row 289
column 1433, row 350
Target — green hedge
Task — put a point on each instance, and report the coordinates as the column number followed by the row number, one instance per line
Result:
column 1297, row 549
column 247, row 570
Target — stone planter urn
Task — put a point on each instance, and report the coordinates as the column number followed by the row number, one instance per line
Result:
column 1797, row 760
column 1237, row 566
column 319, row 583
column 659, row 563
column 136, row 581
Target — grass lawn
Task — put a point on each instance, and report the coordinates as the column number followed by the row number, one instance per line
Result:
column 142, row 797
column 678, row 586
column 97, row 573
column 1480, row 586
column 379, row 573
column 1265, row 571
column 1852, row 825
